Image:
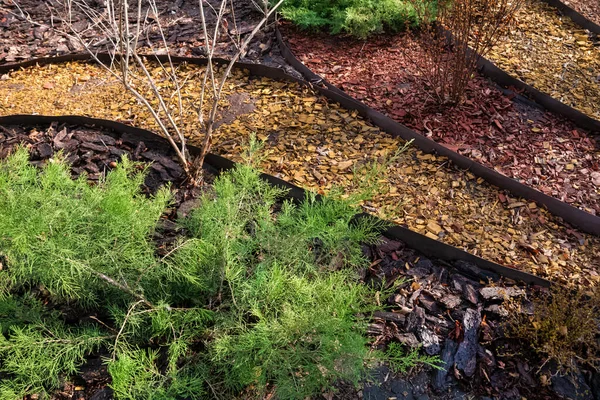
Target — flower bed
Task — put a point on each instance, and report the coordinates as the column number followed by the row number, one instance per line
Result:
column 317, row 144
column 437, row 305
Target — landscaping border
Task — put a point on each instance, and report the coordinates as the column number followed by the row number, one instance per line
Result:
column 504, row 79
column 575, row 16
column 474, row 266
column 579, row 218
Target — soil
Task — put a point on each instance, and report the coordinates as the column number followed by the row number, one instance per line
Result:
column 588, row 8
column 499, row 129
column 450, row 309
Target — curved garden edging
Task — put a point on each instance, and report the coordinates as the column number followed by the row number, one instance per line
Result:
column 583, row 220
column 575, row 16
column 474, row 266
column 504, row 79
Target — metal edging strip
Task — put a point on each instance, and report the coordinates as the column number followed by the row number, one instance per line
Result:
column 583, row 220
column 576, row 17
column 429, row 247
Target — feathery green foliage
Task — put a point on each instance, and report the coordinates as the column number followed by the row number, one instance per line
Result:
column 288, row 283
column 68, row 247
column 262, row 292
column 38, row 355
column 402, row 361
column 58, row 233
column 135, row 375
column 359, row 18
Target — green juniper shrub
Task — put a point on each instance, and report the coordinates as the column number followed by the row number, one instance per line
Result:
column 291, row 312
column 261, row 293
column 23, row 309
column 402, row 361
column 58, row 234
column 72, row 248
column 136, row 375
column 359, row 18
column 37, row 356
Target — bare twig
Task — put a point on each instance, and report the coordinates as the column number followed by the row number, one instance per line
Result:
column 123, row 287
column 475, row 26
column 131, row 308
column 130, row 67
column 206, row 145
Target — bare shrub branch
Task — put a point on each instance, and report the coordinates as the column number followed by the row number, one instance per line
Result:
column 459, row 32
column 123, row 24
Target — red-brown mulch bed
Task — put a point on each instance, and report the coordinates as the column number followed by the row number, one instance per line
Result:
column 588, row 8
column 502, row 131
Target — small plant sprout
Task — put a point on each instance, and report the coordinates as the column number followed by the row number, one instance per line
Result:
column 402, row 361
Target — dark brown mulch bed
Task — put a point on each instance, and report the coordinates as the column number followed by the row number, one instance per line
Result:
column 588, row 8
column 503, row 131
column 92, row 151
column 33, row 30
column 448, row 308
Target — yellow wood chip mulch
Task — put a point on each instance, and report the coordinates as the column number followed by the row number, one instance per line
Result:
column 549, row 52
column 315, row 143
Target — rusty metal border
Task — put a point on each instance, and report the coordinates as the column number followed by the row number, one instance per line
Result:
column 472, row 265
column 575, row 16
column 579, row 218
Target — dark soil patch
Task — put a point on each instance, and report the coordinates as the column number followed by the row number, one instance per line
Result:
column 92, row 151
column 497, row 128
column 239, row 104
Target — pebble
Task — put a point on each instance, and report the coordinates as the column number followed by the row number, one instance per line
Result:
column 431, row 342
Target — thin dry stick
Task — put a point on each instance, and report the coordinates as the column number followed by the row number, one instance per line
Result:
column 132, row 70
column 210, row 124
column 210, row 46
column 124, row 288
column 119, row 34
column 173, row 75
column 475, row 27
column 131, row 308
